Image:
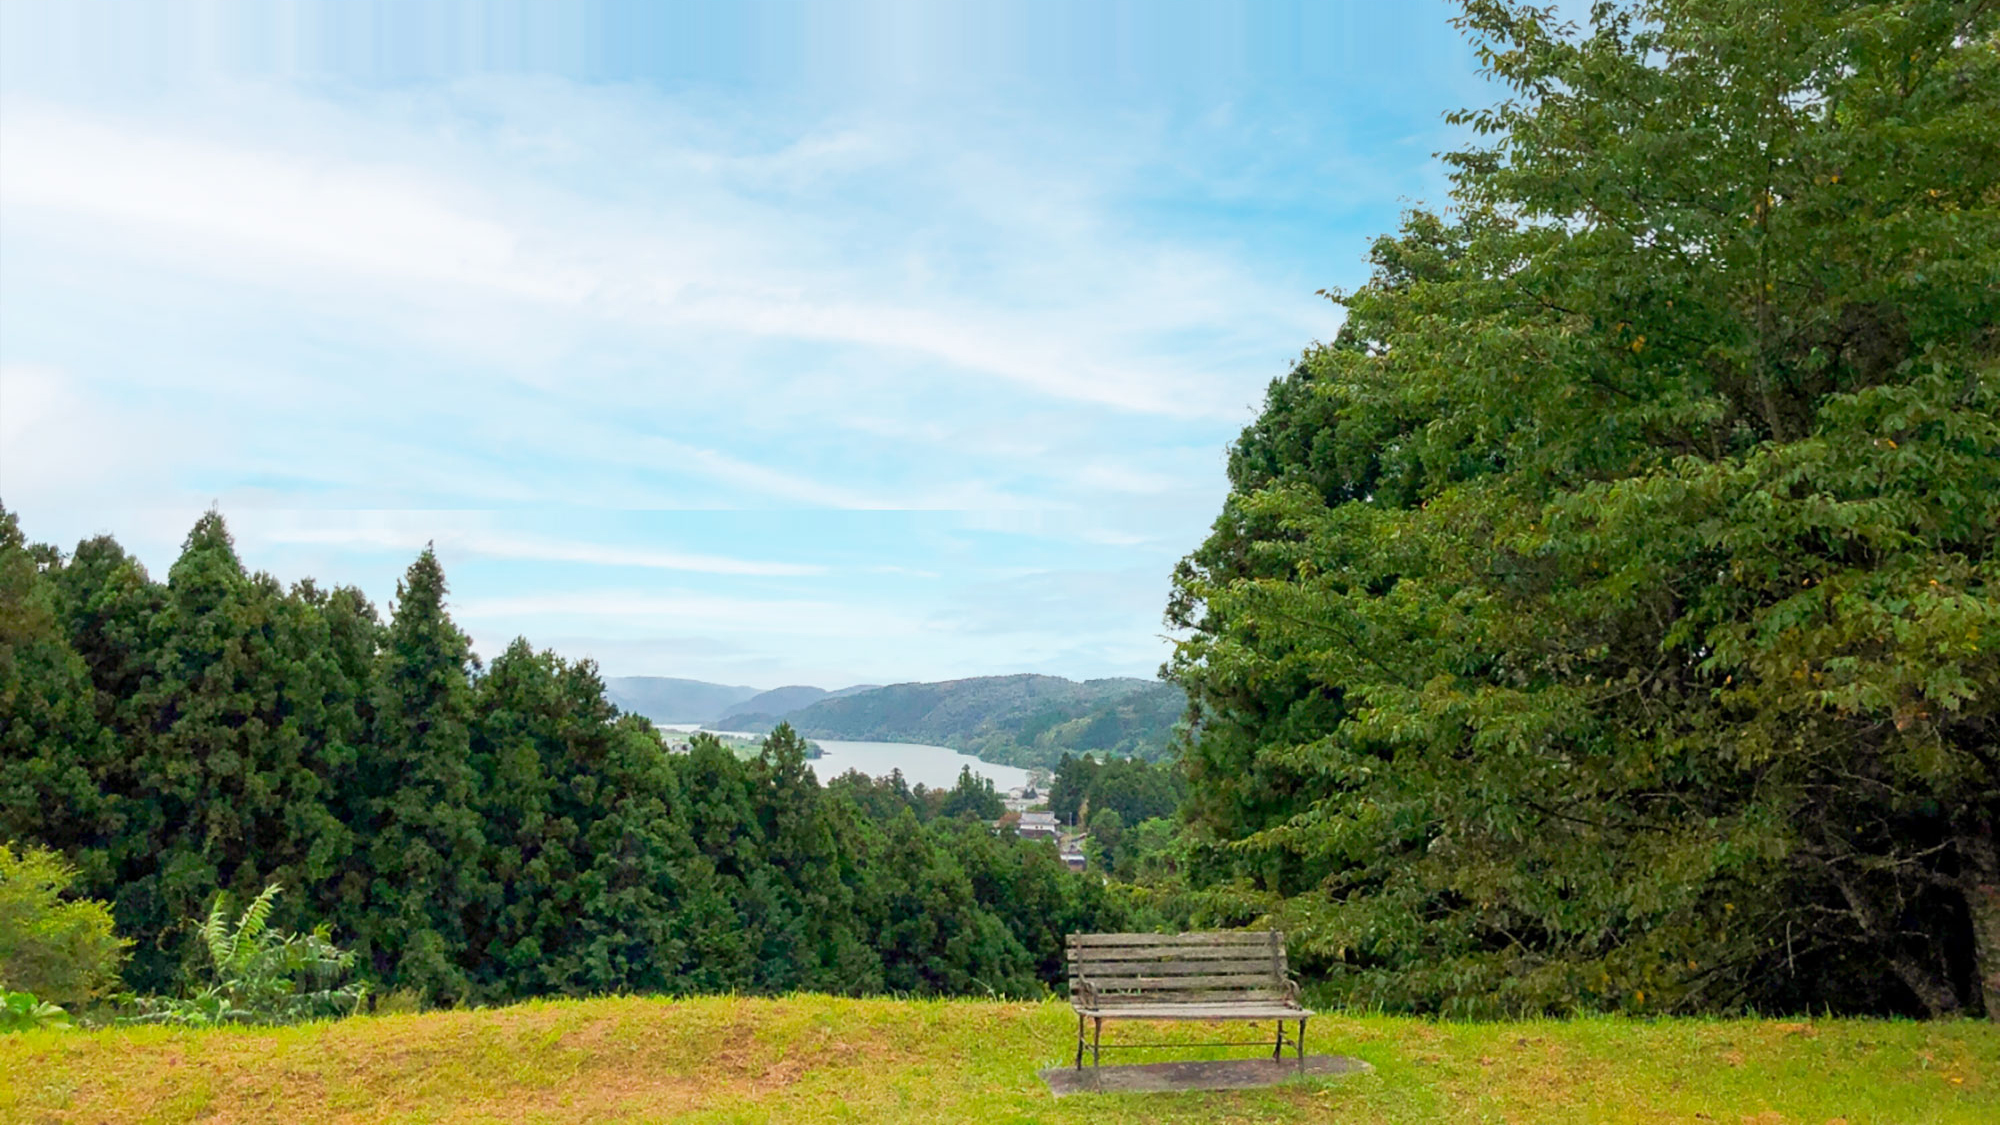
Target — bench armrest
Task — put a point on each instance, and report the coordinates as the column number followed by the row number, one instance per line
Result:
column 1083, row 993
column 1292, row 994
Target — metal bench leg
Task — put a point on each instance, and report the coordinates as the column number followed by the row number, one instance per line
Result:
column 1079, row 1040
column 1097, row 1038
column 1302, row 1045
column 1278, row 1052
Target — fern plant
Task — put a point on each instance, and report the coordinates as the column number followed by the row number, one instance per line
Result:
column 256, row 974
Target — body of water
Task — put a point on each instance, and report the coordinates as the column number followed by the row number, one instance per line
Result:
column 933, row 766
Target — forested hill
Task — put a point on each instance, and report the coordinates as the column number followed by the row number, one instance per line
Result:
column 664, row 699
column 1020, row 720
column 785, row 700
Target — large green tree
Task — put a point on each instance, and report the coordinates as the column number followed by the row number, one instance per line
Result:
column 54, row 752
column 1608, row 617
column 430, row 888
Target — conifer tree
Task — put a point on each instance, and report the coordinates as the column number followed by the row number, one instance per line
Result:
column 55, row 755
column 107, row 602
column 723, row 933
column 425, row 839
column 350, row 635
column 933, row 936
column 227, row 781
column 808, row 932
column 646, row 910
column 585, row 838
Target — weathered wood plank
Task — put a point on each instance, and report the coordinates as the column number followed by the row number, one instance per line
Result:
column 1258, row 938
column 1170, row 968
column 1116, row 1003
column 1173, row 984
column 1245, row 1011
column 1206, row 957
column 1244, row 950
column 1182, row 949
column 1175, row 972
column 1202, row 965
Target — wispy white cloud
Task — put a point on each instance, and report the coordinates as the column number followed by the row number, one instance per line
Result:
column 278, row 210
column 411, row 531
column 287, row 213
column 628, row 612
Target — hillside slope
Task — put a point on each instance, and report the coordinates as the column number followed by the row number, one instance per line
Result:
column 822, row 1059
column 783, row 701
column 665, row 699
column 777, row 701
column 1019, row 720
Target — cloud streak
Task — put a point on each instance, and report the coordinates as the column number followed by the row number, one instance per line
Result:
column 413, row 531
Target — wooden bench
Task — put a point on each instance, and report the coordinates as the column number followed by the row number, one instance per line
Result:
column 1225, row 975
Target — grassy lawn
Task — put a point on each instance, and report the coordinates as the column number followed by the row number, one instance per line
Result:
column 817, row 1059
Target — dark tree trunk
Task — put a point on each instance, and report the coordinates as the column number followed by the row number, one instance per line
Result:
column 1979, row 854
column 1933, row 990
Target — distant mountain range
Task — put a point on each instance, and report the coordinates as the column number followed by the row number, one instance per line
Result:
column 785, row 700
column 667, row 700
column 1021, row 720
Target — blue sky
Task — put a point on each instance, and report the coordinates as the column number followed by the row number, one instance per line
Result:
column 774, row 343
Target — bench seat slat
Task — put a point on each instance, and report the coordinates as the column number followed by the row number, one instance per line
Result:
column 1254, row 1010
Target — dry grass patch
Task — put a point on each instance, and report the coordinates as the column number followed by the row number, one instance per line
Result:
column 821, row 1059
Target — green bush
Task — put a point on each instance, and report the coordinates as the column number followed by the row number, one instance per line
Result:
column 62, row 952
column 260, row 975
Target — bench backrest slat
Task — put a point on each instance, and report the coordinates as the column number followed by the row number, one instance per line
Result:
column 1181, row 968
column 1259, row 938
column 1261, row 965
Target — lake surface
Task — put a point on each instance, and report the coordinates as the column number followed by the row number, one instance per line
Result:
column 933, row 766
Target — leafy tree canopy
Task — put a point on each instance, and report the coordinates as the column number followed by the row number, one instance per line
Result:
column 1608, row 617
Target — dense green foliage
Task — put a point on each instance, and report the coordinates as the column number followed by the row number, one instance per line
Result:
column 472, row 832
column 255, row 974
column 1018, row 720
column 1608, row 616
column 1137, row 789
column 63, row 952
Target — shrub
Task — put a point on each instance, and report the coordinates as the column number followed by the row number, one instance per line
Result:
column 62, row 952
column 22, row 1011
column 260, row 975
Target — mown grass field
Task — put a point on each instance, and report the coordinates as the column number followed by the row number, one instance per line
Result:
column 820, row 1059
